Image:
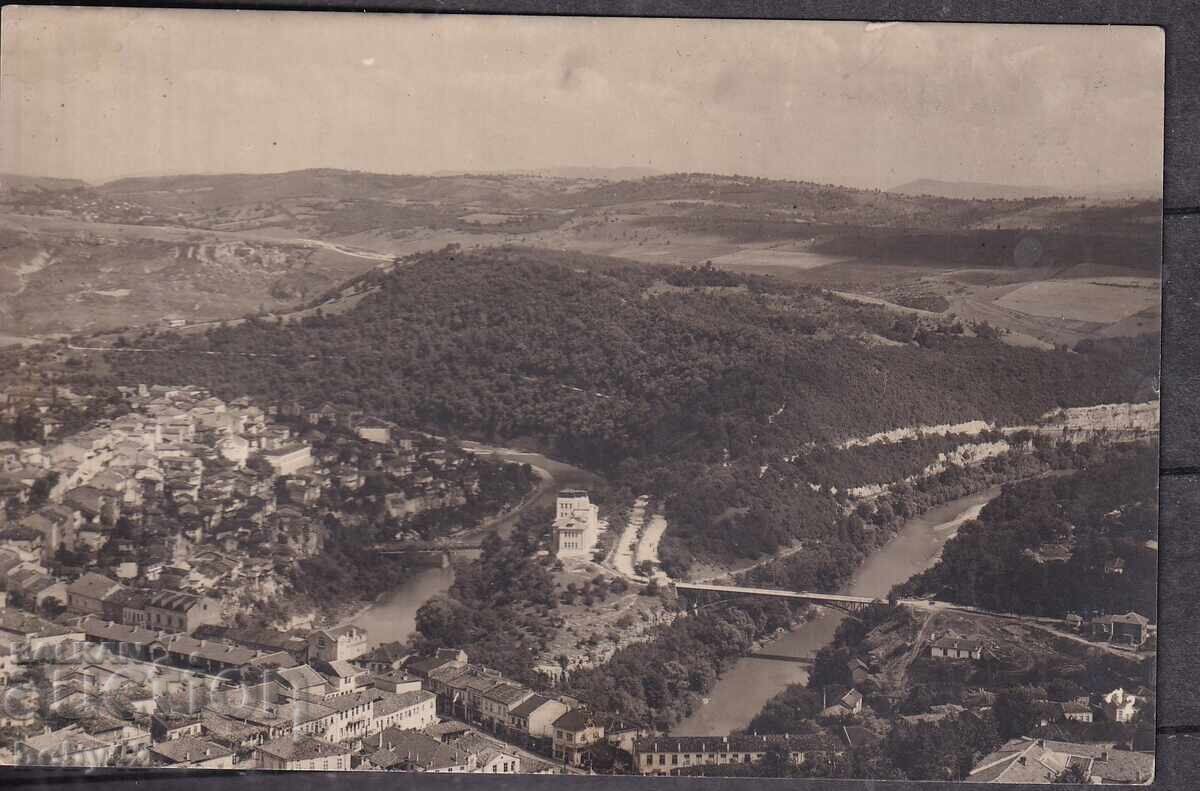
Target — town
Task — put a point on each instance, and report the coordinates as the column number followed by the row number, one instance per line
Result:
column 142, row 551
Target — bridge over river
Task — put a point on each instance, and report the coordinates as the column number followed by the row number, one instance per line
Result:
column 836, row 600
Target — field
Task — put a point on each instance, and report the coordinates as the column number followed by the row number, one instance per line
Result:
column 1097, row 301
column 87, row 259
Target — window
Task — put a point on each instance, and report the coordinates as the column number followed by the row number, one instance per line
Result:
column 674, row 759
column 662, row 759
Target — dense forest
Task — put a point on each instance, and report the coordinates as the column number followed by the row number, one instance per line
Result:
column 1102, row 514
column 674, row 393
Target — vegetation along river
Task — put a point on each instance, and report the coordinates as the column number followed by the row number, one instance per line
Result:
column 741, row 693
column 394, row 616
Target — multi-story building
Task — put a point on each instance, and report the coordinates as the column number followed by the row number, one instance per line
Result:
column 180, row 612
column 576, row 524
column 303, row 753
column 87, row 594
column 343, row 643
column 1120, row 706
column 535, row 716
column 575, row 732
column 665, row 755
column 290, row 458
column 500, row 700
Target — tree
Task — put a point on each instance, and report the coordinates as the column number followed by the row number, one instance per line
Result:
column 1016, row 712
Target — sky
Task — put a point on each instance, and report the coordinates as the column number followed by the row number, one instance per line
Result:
column 98, row 94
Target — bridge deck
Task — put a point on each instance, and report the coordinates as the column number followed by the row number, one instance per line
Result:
column 830, row 597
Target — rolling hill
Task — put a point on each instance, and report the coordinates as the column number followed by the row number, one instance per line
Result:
column 305, row 231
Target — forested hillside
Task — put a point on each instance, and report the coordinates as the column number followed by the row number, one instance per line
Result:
column 602, row 363
column 1103, row 515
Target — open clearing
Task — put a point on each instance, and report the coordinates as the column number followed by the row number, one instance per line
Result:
column 774, row 257
column 1100, row 301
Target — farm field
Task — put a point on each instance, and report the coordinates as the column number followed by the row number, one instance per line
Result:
column 1100, row 301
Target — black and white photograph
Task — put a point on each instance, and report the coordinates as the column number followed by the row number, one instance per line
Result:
column 579, row 396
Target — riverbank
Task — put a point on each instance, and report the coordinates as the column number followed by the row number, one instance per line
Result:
column 740, row 693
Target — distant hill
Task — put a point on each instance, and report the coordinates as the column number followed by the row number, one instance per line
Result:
column 607, row 174
column 12, row 182
column 978, row 190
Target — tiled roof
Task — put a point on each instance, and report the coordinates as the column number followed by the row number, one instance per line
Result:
column 389, row 702
column 507, row 693
column 527, row 707
column 736, row 743
column 189, row 748
column 172, row 600
column 303, row 748
column 575, row 720
column 107, row 631
column 93, row 586
column 300, row 677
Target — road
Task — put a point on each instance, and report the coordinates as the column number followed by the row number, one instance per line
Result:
column 647, row 548
column 621, row 557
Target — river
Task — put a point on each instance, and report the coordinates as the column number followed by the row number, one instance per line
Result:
column 741, row 693
column 394, row 616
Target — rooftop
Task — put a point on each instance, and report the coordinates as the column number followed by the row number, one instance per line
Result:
column 302, row 748
column 188, row 748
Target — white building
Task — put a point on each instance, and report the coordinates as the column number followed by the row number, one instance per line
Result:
column 576, row 524
column 1120, row 706
column 290, row 459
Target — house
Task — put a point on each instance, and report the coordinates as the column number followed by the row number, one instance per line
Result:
column 374, row 430
column 949, row 647
column 850, row 703
column 300, row 682
column 342, row 677
column 576, row 524
column 343, row 643
column 87, row 594
column 96, row 506
column 302, row 753
column 535, row 716
column 1120, row 706
column 180, row 612
column 574, row 734
column 623, row 733
column 396, row 681
column 410, row 710
column 1042, row 761
column 491, row 757
column 65, row 747
column 126, row 606
column 289, row 459
column 189, row 752
column 385, row 658
column 1128, row 629
column 1077, row 711
column 164, row 727
column 207, row 655
column 667, row 755
column 413, row 751
column 498, row 701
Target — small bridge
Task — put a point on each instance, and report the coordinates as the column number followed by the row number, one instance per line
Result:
column 795, row 660
column 836, row 600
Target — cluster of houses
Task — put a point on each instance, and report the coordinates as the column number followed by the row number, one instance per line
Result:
column 187, row 492
column 200, row 699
